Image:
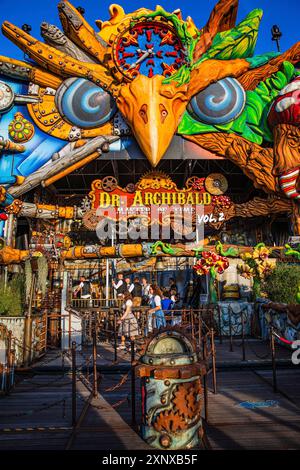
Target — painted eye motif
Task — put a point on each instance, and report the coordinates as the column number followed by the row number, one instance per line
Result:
column 219, row 103
column 84, row 104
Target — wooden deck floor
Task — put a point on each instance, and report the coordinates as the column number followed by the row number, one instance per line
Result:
column 244, row 414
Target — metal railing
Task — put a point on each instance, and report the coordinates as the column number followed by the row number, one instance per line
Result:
column 7, row 359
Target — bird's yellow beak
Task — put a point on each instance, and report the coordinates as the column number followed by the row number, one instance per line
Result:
column 153, row 110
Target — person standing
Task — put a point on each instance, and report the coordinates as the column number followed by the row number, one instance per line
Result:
column 156, row 307
column 172, row 284
column 128, row 323
column 145, row 291
column 127, row 283
column 135, row 290
column 83, row 289
column 119, row 286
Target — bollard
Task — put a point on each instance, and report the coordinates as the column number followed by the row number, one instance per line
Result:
column 95, row 385
column 272, row 341
column 171, row 390
column 133, row 418
column 74, row 407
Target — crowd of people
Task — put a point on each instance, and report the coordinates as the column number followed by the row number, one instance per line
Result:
column 162, row 302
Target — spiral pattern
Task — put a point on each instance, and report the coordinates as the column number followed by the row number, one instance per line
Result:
column 84, row 104
column 219, row 103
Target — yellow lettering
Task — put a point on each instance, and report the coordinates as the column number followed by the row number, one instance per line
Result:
column 180, row 198
column 166, row 198
column 155, row 197
column 190, row 198
column 138, row 199
column 115, row 200
column 206, row 198
column 148, row 199
column 104, row 200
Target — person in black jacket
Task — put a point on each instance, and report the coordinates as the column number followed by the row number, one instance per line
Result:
column 120, row 286
column 136, row 290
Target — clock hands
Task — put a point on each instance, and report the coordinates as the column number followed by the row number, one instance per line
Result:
column 142, row 58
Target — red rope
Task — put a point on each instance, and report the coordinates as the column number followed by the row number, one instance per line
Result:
column 286, row 341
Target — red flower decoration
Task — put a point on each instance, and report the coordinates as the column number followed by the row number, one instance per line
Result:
column 210, row 260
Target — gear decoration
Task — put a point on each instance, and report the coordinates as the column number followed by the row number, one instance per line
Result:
column 216, row 184
column 20, row 129
column 86, row 204
column 130, row 188
column 109, row 183
column 196, row 183
column 90, row 219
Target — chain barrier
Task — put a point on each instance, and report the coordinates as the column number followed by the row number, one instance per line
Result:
column 123, row 380
column 37, row 410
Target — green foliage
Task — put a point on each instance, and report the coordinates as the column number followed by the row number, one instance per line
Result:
column 283, row 283
column 12, row 296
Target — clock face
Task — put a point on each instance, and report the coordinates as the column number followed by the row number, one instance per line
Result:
column 150, row 48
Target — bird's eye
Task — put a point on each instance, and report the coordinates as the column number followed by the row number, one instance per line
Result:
column 219, row 103
column 84, row 104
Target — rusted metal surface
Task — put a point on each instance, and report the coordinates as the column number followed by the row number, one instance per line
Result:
column 171, row 400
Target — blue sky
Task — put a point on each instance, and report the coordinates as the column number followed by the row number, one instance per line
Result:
column 284, row 13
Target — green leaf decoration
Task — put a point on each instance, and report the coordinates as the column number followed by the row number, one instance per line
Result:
column 237, row 43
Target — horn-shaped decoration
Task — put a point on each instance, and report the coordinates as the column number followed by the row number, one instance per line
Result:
column 57, row 62
column 222, row 18
column 80, row 32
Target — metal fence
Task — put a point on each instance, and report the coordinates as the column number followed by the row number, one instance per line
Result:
column 7, row 359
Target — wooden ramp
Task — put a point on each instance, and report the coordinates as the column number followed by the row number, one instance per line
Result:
column 37, row 416
column 244, row 414
column 247, row 414
column 103, row 428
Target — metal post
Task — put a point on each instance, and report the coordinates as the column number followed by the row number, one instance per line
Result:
column 230, row 330
column 220, row 325
column 243, row 335
column 192, row 323
column 70, row 328
column 133, row 419
column 107, row 283
column 28, row 325
column 8, row 362
column 205, row 379
column 115, row 338
column 199, row 330
column 273, row 360
column 95, row 385
column 74, row 407
column 213, row 354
